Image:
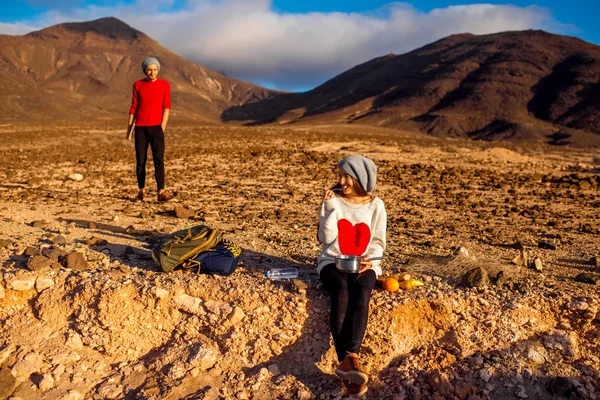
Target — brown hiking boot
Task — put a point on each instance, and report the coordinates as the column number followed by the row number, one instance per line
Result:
column 351, row 370
column 164, row 195
column 354, row 389
column 140, row 196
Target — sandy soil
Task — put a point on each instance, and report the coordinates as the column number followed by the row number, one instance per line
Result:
column 111, row 325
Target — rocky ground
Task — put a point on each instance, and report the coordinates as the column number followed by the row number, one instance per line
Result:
column 505, row 239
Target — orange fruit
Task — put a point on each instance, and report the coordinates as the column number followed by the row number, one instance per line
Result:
column 391, row 285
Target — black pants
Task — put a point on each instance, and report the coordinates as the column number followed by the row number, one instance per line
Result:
column 153, row 136
column 350, row 296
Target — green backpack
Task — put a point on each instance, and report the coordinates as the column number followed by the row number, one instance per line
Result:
column 180, row 248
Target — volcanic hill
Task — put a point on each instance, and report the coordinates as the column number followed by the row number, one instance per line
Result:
column 86, row 70
column 521, row 85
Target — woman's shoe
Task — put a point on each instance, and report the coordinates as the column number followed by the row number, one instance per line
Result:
column 351, row 370
column 354, row 389
column 164, row 195
column 140, row 196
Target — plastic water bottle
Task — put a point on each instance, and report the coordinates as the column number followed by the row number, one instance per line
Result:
column 282, row 273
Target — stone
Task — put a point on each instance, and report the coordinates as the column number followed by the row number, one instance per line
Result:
column 475, row 278
column 203, row 357
column 8, row 383
column 74, row 341
column 30, row 363
column 46, row 383
column 183, row 212
column 486, row 374
column 535, row 356
column 521, row 393
column 560, row 386
column 92, row 225
column 51, row 253
column 129, row 210
column 110, row 391
column 76, row 177
column 6, row 352
column 2, row 292
column 38, row 263
column 588, row 277
column 464, row 253
column 161, row 293
column 5, row 243
column 59, row 240
column 577, row 306
column 43, row 282
column 537, row 264
column 189, row 304
column 40, row 224
column 273, row 369
column 31, row 251
column 211, row 215
column 236, row 316
column 304, row 394
column 177, row 370
column 522, row 259
column 75, row 261
column 96, row 241
column 299, row 284
column 595, row 261
column 217, row 307
column 21, row 284
column 35, row 181
column 563, row 341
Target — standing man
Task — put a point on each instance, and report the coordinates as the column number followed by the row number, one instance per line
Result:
column 149, row 111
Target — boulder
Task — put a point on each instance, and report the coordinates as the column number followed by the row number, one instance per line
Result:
column 20, row 283
column 38, row 263
column 183, row 212
column 76, row 261
column 475, row 278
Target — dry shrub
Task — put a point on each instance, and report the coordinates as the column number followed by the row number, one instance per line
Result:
column 452, row 267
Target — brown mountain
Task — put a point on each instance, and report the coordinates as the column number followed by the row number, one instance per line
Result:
column 528, row 84
column 86, row 70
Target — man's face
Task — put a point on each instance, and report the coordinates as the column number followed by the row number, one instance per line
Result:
column 152, row 72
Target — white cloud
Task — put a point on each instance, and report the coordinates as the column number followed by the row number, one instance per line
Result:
column 246, row 39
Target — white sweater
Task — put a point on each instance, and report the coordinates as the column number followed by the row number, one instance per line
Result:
column 351, row 229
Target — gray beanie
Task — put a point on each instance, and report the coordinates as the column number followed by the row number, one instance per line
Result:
column 362, row 169
column 149, row 61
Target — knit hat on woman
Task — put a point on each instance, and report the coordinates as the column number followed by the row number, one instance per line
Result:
column 148, row 62
column 362, row 169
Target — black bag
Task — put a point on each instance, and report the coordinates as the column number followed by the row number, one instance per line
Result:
column 221, row 260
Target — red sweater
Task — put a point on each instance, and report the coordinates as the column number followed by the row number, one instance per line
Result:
column 148, row 101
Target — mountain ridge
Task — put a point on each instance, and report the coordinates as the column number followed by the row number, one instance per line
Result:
column 90, row 67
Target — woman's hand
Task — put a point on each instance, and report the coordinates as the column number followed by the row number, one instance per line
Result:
column 365, row 264
column 328, row 194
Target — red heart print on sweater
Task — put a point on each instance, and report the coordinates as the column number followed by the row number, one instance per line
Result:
column 353, row 239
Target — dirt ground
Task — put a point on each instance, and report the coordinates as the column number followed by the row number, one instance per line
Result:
column 108, row 324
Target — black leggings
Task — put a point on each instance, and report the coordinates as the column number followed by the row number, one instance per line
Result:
column 153, row 136
column 350, row 296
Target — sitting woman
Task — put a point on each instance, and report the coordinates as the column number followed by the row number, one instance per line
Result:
column 352, row 222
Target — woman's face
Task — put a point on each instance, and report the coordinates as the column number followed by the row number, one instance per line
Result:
column 346, row 182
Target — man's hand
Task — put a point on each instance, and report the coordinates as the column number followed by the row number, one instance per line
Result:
column 129, row 136
column 163, row 127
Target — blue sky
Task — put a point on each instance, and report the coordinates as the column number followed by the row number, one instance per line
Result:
column 296, row 45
